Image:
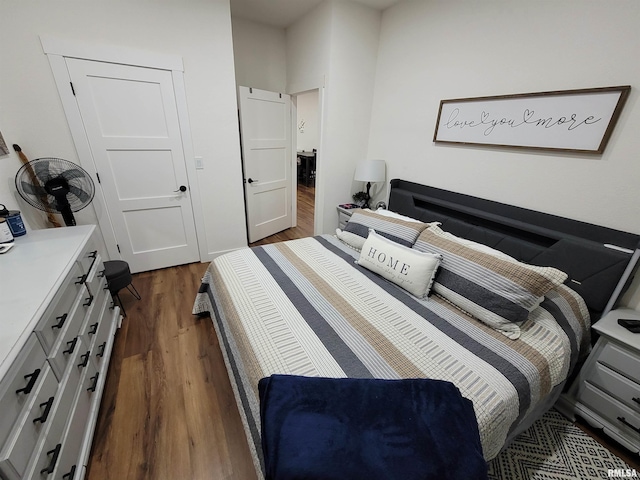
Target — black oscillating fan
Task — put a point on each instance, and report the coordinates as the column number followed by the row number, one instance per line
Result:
column 54, row 184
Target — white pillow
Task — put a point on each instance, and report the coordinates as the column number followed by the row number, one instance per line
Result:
column 351, row 239
column 410, row 269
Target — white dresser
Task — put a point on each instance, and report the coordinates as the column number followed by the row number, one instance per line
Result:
column 607, row 390
column 57, row 327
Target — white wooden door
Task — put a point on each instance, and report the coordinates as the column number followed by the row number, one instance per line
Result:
column 265, row 127
column 131, row 121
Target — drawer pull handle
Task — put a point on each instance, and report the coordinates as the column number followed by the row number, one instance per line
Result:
column 624, row 420
column 71, row 474
column 47, row 408
column 54, row 459
column 72, row 346
column 93, row 329
column 85, row 360
column 93, row 254
column 636, row 399
column 61, row 319
column 101, row 348
column 81, row 280
column 32, row 381
column 101, row 273
column 88, row 301
column 92, row 388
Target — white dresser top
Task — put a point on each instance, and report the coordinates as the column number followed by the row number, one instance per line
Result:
column 30, row 274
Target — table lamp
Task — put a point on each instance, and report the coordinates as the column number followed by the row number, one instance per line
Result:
column 370, row 171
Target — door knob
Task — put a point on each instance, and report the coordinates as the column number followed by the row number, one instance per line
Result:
column 181, row 189
column 251, row 180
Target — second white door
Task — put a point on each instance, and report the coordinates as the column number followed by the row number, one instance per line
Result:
column 265, row 127
column 131, row 121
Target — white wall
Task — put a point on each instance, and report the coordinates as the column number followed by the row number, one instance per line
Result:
column 355, row 39
column 260, row 55
column 335, row 46
column 433, row 50
column 308, row 50
column 200, row 32
column 307, row 126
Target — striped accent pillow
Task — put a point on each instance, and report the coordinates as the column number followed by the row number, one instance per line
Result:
column 500, row 292
column 400, row 231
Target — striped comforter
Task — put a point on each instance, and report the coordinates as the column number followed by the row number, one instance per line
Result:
column 304, row 307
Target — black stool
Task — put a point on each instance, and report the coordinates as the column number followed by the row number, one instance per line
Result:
column 118, row 277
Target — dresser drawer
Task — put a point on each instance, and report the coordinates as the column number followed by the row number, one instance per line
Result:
column 100, row 339
column 33, row 421
column 343, row 218
column 621, row 417
column 618, row 359
column 625, row 390
column 69, row 462
column 54, row 319
column 20, row 384
column 49, row 447
column 95, row 277
column 72, row 380
column 89, row 256
column 66, row 344
column 92, row 320
column 75, row 449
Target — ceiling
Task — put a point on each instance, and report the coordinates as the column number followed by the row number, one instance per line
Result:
column 282, row 13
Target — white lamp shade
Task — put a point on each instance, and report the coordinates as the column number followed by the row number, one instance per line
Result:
column 370, row 171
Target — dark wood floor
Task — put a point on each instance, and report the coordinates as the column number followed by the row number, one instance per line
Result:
column 168, row 410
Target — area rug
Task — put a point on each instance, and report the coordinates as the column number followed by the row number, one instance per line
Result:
column 554, row 449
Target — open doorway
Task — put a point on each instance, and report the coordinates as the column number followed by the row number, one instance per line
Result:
column 306, row 140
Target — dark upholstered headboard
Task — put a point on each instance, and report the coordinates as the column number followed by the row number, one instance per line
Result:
column 600, row 261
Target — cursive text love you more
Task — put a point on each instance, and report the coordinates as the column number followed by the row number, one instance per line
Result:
column 528, row 119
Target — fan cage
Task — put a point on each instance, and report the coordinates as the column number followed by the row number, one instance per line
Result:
column 32, row 177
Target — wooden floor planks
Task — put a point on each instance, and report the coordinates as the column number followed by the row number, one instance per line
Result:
column 168, row 411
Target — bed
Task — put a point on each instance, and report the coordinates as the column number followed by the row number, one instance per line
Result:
column 313, row 308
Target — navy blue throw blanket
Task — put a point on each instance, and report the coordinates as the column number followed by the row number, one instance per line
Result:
column 347, row 428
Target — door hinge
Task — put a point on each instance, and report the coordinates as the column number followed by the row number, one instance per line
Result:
column 118, row 246
column 73, row 90
column 98, row 176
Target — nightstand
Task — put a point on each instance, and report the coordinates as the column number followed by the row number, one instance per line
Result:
column 344, row 214
column 607, row 391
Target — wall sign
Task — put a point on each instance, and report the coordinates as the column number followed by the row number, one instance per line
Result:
column 569, row 120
